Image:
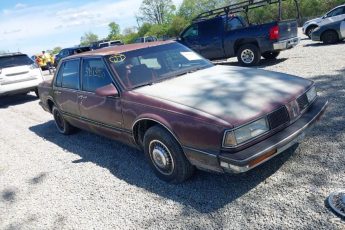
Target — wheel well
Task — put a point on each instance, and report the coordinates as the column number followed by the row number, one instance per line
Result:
column 141, row 127
column 50, row 104
column 311, row 26
column 241, row 42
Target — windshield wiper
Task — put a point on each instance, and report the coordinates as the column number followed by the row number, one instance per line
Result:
column 141, row 85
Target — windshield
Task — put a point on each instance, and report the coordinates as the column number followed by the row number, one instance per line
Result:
column 154, row 64
column 17, row 60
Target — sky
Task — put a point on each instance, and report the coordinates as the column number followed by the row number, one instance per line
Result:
column 34, row 25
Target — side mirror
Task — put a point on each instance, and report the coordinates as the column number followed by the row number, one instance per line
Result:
column 324, row 16
column 107, row 91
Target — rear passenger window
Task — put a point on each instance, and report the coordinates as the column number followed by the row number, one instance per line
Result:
column 95, row 74
column 69, row 75
column 234, row 24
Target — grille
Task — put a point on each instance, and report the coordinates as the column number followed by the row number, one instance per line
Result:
column 278, row 117
column 302, row 102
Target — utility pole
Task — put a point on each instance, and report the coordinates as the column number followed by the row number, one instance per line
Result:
column 280, row 10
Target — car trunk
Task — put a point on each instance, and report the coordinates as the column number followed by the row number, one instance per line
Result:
column 287, row 29
column 17, row 68
column 17, row 74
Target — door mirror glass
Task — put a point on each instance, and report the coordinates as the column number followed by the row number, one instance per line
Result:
column 107, row 91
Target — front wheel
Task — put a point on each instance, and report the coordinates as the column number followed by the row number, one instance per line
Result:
column 271, row 55
column 248, row 55
column 61, row 124
column 166, row 156
column 330, row 37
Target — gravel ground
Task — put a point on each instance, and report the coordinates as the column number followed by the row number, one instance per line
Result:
column 83, row 181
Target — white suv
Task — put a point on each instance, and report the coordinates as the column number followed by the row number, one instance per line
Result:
column 18, row 74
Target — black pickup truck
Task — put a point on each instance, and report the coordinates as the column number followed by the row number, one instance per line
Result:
column 220, row 36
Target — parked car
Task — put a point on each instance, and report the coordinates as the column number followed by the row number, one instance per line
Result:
column 110, row 43
column 336, row 14
column 220, row 34
column 180, row 109
column 68, row 52
column 146, row 39
column 330, row 33
column 18, row 74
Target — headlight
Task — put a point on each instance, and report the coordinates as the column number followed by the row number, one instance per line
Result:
column 245, row 133
column 311, row 94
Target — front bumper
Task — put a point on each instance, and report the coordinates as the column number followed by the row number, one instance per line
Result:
column 261, row 152
column 286, row 44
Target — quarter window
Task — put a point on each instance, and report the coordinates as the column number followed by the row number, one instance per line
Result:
column 95, row 74
column 69, row 75
column 234, row 24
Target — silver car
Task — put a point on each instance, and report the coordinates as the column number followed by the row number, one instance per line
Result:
column 336, row 14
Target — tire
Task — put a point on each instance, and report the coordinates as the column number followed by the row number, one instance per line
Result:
column 166, row 156
column 310, row 30
column 248, row 55
column 330, row 37
column 270, row 55
column 61, row 124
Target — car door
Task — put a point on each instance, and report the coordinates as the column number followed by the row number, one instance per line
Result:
column 342, row 29
column 211, row 38
column 66, row 87
column 98, row 110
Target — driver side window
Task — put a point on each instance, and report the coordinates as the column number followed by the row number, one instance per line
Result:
column 336, row 12
column 191, row 32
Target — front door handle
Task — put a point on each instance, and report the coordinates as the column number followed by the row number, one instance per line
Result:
column 57, row 92
column 82, row 97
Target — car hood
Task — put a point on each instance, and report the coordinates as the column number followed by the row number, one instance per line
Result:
column 315, row 21
column 233, row 94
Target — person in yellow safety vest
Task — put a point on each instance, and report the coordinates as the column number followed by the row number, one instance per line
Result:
column 48, row 60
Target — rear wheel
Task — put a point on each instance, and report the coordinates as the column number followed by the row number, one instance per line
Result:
column 166, row 156
column 330, row 37
column 248, row 55
column 271, row 55
column 61, row 124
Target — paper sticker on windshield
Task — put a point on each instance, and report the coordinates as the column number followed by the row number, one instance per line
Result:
column 191, row 56
column 117, row 58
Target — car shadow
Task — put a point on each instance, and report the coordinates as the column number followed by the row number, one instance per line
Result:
column 263, row 63
column 319, row 44
column 205, row 192
column 6, row 101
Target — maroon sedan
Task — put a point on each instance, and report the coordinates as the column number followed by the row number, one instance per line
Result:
column 182, row 110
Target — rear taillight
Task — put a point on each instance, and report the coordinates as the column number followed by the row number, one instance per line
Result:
column 274, row 33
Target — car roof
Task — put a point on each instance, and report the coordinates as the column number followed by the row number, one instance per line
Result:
column 11, row 54
column 120, row 49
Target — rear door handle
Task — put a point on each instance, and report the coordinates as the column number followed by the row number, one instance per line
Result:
column 82, row 97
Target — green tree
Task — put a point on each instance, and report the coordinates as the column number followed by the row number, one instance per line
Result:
column 156, row 11
column 56, row 50
column 88, row 38
column 114, row 31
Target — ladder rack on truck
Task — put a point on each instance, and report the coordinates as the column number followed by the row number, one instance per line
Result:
column 244, row 6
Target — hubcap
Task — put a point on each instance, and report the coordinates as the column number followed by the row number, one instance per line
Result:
column 247, row 56
column 161, row 157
